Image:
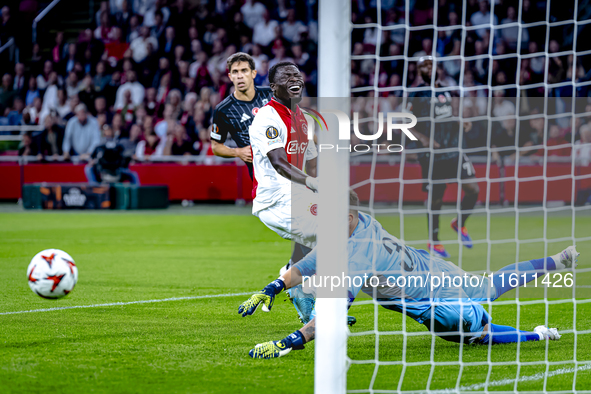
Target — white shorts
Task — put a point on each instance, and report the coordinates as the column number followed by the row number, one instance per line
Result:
column 294, row 217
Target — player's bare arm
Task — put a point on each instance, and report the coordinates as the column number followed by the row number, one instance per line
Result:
column 222, row 150
column 278, row 159
column 311, row 167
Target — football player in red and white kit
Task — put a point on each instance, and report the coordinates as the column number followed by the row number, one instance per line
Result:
column 281, row 152
column 284, row 198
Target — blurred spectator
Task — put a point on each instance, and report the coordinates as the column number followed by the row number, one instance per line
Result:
column 32, row 115
column 51, row 138
column 7, row 94
column 70, row 59
column 483, row 17
column 100, row 108
column 583, row 146
column 130, row 144
column 168, row 42
column 556, row 138
column 32, row 92
column 134, row 87
column 532, row 134
column 154, row 9
column 253, row 12
column 29, row 147
column 150, row 103
column 116, row 49
column 134, row 28
column 108, row 162
column 501, row 105
column 149, row 146
column 119, row 128
column 58, row 51
column 158, row 29
column 291, row 27
column 178, row 143
column 20, row 81
column 166, row 125
column 43, row 78
column 265, row 32
column 104, row 32
column 122, row 14
column 63, row 104
column 36, row 60
column 262, row 77
column 15, row 116
column 103, row 8
column 511, row 34
column 7, row 26
column 139, row 46
column 503, row 136
column 82, row 134
column 101, row 79
column 72, row 84
column 279, row 51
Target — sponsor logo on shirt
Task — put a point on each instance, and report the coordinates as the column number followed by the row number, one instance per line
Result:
column 244, row 118
column 255, row 110
column 295, row 147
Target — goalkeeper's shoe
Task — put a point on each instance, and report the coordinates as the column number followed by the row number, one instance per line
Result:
column 302, row 302
column 547, row 333
column 568, row 257
column 304, row 306
column 438, row 250
column 466, row 239
column 271, row 349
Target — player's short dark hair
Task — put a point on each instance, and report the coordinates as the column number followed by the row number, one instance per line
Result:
column 240, row 57
column 353, row 202
column 276, row 67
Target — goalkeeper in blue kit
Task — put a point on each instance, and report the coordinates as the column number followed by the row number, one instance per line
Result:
column 452, row 312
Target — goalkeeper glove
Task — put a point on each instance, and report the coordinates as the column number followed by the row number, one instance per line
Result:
column 275, row 349
column 265, row 296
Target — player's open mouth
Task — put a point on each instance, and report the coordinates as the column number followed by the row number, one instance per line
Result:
column 295, row 89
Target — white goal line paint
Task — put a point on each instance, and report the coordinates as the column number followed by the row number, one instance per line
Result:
column 127, row 303
column 503, row 382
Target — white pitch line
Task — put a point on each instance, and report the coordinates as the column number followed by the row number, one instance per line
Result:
column 503, row 382
column 126, row 303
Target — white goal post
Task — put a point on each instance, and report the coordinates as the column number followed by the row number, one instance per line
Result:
column 330, row 368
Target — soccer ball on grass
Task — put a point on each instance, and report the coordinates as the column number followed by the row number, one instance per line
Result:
column 52, row 274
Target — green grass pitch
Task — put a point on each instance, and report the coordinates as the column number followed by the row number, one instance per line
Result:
column 201, row 345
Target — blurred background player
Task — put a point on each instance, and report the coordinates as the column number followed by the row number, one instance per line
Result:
column 442, row 166
column 234, row 115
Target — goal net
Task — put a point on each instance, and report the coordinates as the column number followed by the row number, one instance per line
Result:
column 517, row 76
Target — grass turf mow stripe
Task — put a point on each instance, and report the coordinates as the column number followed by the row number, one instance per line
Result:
column 126, row 303
column 503, row 382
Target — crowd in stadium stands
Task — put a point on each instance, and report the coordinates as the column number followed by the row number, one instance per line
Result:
column 152, row 71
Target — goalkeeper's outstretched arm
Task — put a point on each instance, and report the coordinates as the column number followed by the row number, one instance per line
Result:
column 266, row 297
column 294, row 341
